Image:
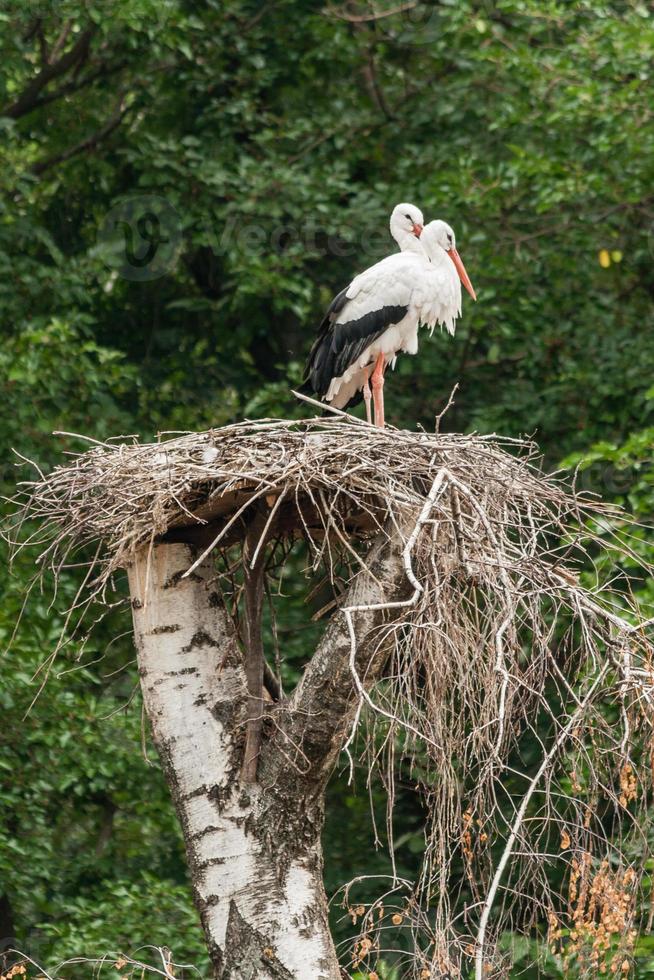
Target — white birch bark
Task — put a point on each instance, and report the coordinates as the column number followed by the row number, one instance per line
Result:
column 254, row 851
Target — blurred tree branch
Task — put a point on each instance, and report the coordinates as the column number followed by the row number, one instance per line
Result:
column 88, row 143
column 52, row 67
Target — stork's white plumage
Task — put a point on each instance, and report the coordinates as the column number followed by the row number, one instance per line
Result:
column 377, row 316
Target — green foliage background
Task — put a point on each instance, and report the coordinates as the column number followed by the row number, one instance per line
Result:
column 281, row 134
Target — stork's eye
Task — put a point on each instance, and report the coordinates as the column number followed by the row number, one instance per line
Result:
column 408, row 216
column 449, row 238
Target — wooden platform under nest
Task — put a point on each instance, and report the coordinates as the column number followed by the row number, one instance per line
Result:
column 223, row 516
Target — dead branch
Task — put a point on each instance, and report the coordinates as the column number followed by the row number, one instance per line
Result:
column 254, row 581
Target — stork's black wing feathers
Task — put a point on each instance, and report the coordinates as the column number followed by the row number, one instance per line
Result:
column 338, row 345
column 313, row 368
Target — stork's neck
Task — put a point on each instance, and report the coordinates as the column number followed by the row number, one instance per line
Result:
column 409, row 243
column 439, row 258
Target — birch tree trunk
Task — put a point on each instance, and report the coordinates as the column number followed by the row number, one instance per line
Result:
column 256, row 870
column 254, row 849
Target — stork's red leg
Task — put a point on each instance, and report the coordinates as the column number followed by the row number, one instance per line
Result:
column 367, row 395
column 377, row 382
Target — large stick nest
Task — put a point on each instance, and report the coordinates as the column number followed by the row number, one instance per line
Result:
column 505, row 676
column 319, row 477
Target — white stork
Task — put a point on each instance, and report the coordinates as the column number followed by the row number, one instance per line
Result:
column 374, row 318
column 406, row 226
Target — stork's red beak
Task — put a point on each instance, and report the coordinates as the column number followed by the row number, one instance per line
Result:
column 461, row 269
column 417, row 230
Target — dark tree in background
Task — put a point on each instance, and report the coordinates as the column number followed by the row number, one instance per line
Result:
column 268, row 143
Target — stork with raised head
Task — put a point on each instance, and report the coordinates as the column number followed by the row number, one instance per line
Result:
column 374, row 318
